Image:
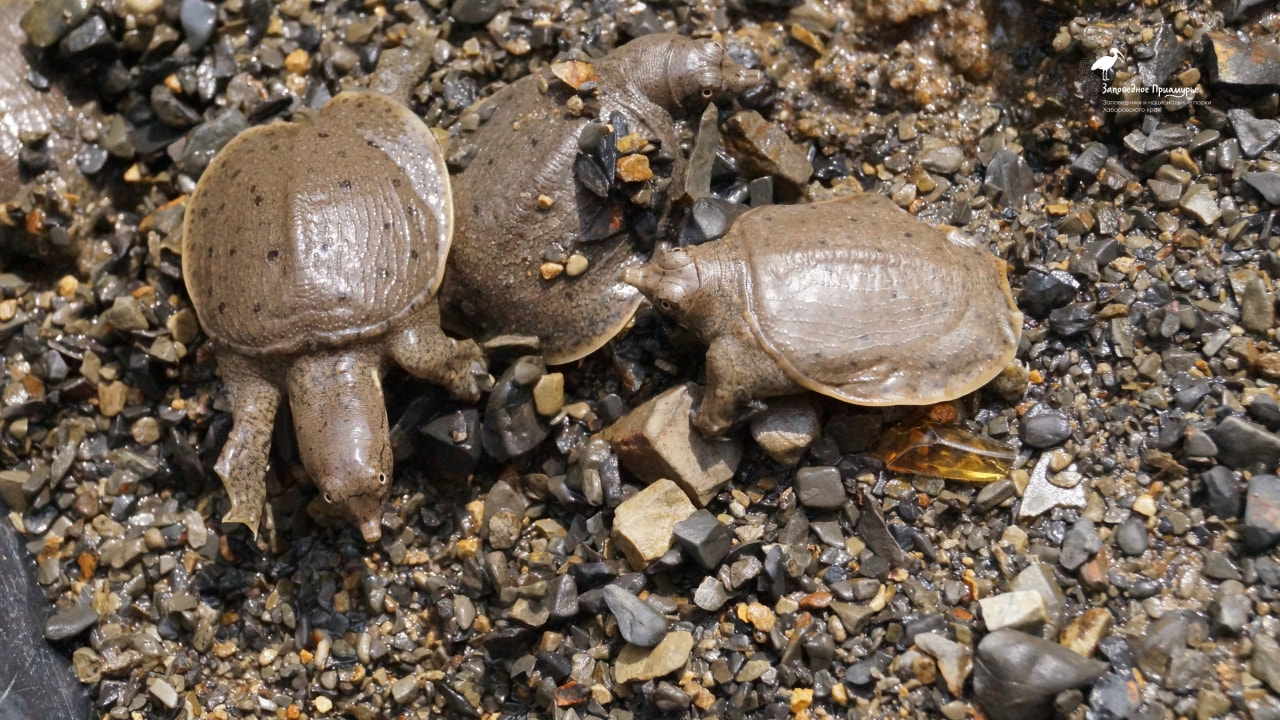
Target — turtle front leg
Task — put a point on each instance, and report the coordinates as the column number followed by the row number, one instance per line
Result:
column 724, row 394
column 243, row 462
column 422, row 348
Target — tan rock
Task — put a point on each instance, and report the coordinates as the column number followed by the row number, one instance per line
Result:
column 643, row 524
column 1083, row 633
column 548, row 394
column 787, row 428
column 656, row 441
column 637, row 663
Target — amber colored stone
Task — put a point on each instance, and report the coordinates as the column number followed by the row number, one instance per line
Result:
column 945, row 451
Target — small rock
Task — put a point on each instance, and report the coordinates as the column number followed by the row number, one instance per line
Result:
column 634, row 168
column 548, row 394
column 944, row 160
column 763, row 149
column 48, row 21
column 1168, row 136
column 1086, row 630
column 1089, row 162
column 1265, row 661
column 656, row 441
column 1231, row 608
column 1018, row 609
column 1253, row 64
column 709, row 219
column 644, row 524
column 1081, row 543
column 704, row 538
column 1008, row 179
column 1131, row 537
column 453, row 442
column 1039, row 578
column 1044, row 428
column 562, row 597
column 955, row 661
column 1116, row 696
column 1044, row 291
column 198, row 19
column 474, row 12
column 207, row 139
column 1198, row 203
column 1257, row 309
column 504, row 510
column 1254, row 134
column 1243, row 445
column 1016, row 675
column 1266, row 183
column 637, row 663
column 511, row 424
column 163, row 692
column 638, row 622
column 1260, row 529
column 1222, row 492
column 820, row 488
column 711, row 594
column 404, row 690
column 125, row 315
column 787, row 428
column 1041, row 495
column 70, row 622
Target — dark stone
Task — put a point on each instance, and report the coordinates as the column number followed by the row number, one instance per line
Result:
column 474, row 12
column 1222, row 496
column 1115, row 697
column 1254, row 134
column 91, row 35
column 1016, row 676
column 1266, row 183
column 511, row 423
column 1265, row 410
column 1260, row 528
column 992, row 495
column 207, row 139
column 562, row 597
column 1044, row 427
column 591, row 175
column 1233, row 61
column 1168, row 136
column 1080, row 544
column 638, row 622
column 1089, row 162
column 703, row 538
column 1008, row 179
column 820, row 488
column 1164, row 56
column 40, row 681
column 1131, row 537
column 453, row 443
column 1243, row 445
column 709, row 219
column 874, row 531
column 1073, row 319
column 1196, row 442
column 91, row 159
column 70, row 622
column 1043, row 291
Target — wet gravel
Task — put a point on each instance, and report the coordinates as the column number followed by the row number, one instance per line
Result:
column 1125, row 568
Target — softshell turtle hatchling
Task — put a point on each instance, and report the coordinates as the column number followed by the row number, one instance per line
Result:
column 851, row 297
column 520, row 195
column 312, row 251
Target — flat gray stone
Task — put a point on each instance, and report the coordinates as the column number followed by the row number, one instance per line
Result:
column 638, row 622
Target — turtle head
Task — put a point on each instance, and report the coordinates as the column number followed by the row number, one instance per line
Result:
column 694, row 71
column 671, row 282
column 340, row 418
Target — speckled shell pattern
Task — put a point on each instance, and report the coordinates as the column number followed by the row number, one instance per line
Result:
column 22, row 108
column 859, row 300
column 526, row 149
column 319, row 232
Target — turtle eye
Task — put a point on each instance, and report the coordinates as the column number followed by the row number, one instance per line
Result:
column 382, row 478
column 665, row 304
column 707, row 93
column 328, row 498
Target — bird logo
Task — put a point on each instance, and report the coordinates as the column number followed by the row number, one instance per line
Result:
column 1107, row 63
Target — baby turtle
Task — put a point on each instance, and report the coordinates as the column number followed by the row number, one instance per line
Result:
column 312, row 252
column 519, row 195
column 852, row 297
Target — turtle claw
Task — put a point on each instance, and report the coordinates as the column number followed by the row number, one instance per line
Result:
column 240, row 513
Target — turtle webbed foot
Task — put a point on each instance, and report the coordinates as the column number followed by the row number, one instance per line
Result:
column 245, row 483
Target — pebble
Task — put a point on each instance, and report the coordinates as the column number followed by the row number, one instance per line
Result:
column 1089, row 162
column 1023, row 609
column 1167, row 136
column 1039, row 578
column 1116, row 695
column 1043, row 427
column 1266, row 183
column 820, row 488
column 1254, row 134
column 1260, row 528
column 764, row 149
column 1265, row 661
column 1257, row 308
column 1198, row 203
column 1042, row 495
column 1016, row 675
column 945, row 160
column 198, row 20
column 644, row 524
column 208, row 138
column 474, row 12
column 1243, row 445
column 1045, row 291
column 638, row 622
column 703, row 538
column 163, row 692
column 1231, row 608
column 656, row 440
column 787, row 428
column 711, row 594
column 1131, row 537
column 1081, row 543
column 1008, row 179
column 70, row 622
column 638, row 663
column 955, row 661
column 548, row 394
column 511, row 425
column 48, row 21
column 1254, row 64
column 504, row 512
column 1222, row 492
column 709, row 219
column 1083, row 634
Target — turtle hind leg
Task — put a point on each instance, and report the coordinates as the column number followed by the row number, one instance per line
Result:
column 739, row 375
column 423, row 349
column 243, row 462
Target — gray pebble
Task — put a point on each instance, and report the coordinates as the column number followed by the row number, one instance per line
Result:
column 208, row 138
column 820, row 488
column 198, row 19
column 1113, row 696
column 1266, row 183
column 944, row 160
column 1008, row 179
column 1131, row 537
column 1243, row 445
column 1198, row 202
column 70, row 622
column 711, row 594
column 1261, row 526
column 1257, row 309
column 1089, row 162
column 1221, row 492
column 562, row 597
column 704, row 538
column 1044, row 428
column 1017, row 675
column 638, row 623
column 1081, row 543
column 1254, row 134
column 474, row 12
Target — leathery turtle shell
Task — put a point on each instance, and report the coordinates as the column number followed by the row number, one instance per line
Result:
column 856, row 299
column 319, row 232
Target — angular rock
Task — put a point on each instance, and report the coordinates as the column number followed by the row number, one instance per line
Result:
column 1046, row 290
column 955, row 661
column 656, row 441
column 48, row 21
column 453, row 442
column 1257, row 309
column 704, row 538
column 1016, row 675
column 1086, row 630
column 787, row 428
column 638, row 623
column 1265, row 661
column 1042, row 495
column 644, row 524
column 1222, row 495
column 512, row 426
column 820, row 488
column 1197, row 202
column 637, row 663
column 1243, row 445
column 1081, row 543
column 1254, row 134
column 944, row 160
column 1266, row 183
column 1038, row 578
column 504, row 509
column 1260, row 528
column 763, row 149
column 1089, row 162
column 711, row 594
column 1233, row 61
column 854, row 617
column 1008, row 179
column 1018, row 609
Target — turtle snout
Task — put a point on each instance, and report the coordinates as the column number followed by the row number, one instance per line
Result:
column 738, row 79
column 365, row 512
column 641, row 277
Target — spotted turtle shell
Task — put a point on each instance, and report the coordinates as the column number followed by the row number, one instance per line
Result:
column 857, row 299
column 319, row 232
